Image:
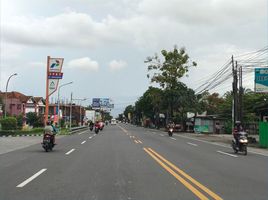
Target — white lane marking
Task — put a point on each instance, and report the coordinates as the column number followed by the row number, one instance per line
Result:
column 83, row 142
column 31, row 178
column 94, row 135
column 173, row 138
column 136, row 141
column 227, row 154
column 161, row 135
column 82, row 132
column 139, row 141
column 217, row 144
column 70, row 151
column 90, row 137
column 192, row 144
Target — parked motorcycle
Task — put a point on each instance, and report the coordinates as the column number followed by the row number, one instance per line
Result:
column 242, row 143
column 170, row 132
column 48, row 142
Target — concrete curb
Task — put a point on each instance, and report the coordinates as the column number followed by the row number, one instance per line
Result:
column 28, row 135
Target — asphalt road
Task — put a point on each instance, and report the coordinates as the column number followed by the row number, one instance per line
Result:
column 127, row 162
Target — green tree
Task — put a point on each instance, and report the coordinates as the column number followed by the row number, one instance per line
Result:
column 168, row 73
column 129, row 109
column 210, row 103
column 33, row 120
column 19, row 121
column 107, row 116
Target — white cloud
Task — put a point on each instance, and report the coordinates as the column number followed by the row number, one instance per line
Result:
column 83, row 64
column 152, row 25
column 115, row 65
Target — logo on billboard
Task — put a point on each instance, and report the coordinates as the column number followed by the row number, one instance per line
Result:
column 55, row 64
column 52, row 85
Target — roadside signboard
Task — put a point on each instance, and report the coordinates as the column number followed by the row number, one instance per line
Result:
column 102, row 103
column 261, row 80
column 96, row 103
column 53, row 76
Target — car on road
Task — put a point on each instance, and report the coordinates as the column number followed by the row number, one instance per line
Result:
column 113, row 122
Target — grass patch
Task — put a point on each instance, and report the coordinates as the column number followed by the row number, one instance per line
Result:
column 21, row 132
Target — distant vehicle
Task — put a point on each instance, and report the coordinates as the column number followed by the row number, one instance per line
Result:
column 170, row 131
column 113, row 122
column 101, row 125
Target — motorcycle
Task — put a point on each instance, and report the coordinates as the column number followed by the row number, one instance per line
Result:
column 97, row 130
column 101, row 125
column 242, row 143
column 48, row 142
column 170, row 132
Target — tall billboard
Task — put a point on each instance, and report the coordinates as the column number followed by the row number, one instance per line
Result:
column 96, row 103
column 102, row 103
column 261, row 80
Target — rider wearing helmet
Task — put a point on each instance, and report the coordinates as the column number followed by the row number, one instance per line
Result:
column 237, row 129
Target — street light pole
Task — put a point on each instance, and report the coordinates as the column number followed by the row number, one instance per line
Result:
column 6, row 92
column 59, row 100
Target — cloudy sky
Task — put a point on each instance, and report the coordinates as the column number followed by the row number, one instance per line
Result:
column 104, row 42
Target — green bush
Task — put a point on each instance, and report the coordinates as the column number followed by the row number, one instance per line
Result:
column 23, row 132
column 19, row 121
column 9, row 123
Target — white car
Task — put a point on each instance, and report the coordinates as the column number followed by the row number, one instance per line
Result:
column 113, row 122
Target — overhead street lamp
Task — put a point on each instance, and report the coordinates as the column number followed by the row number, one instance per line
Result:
column 59, row 99
column 15, row 74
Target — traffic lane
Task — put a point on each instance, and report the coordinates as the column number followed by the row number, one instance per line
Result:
column 16, row 166
column 111, row 166
column 225, row 148
column 63, row 144
column 230, row 176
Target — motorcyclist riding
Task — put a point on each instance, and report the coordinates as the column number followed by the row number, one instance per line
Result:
column 237, row 129
column 51, row 130
column 97, row 124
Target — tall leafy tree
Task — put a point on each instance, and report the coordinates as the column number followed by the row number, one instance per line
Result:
column 167, row 73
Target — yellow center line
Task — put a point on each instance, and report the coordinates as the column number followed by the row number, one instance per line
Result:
column 179, row 178
column 205, row 189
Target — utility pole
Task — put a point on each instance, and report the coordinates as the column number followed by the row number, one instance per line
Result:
column 240, row 95
column 234, row 115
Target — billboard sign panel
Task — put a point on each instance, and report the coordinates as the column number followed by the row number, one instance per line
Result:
column 102, row 103
column 54, row 74
column 261, row 80
column 96, row 103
